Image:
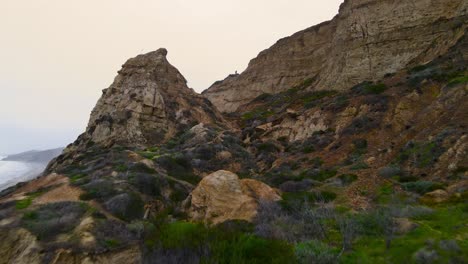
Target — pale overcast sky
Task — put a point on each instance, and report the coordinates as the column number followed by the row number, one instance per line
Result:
column 57, row 55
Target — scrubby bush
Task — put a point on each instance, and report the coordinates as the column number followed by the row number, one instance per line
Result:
column 369, row 88
column 347, row 179
column 148, row 184
column 422, row 187
column 195, row 243
column 318, row 174
column 178, row 166
column 377, row 103
column 297, row 199
column 112, row 235
column 425, row 256
column 421, row 154
column 389, row 171
column 53, row 218
column 296, row 186
column 127, row 206
column 98, row 189
column 360, row 125
column 315, row 252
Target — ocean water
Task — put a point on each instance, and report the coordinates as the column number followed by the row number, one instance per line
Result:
column 12, row 172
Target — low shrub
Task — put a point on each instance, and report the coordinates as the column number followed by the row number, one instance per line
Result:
column 54, row 218
column 24, row 203
column 127, row 206
column 297, row 199
column 315, row 252
column 178, row 166
column 318, row 174
column 347, row 179
column 421, row 154
column 216, row 245
column 112, row 235
column 148, row 184
column 389, row 171
column 360, row 125
column 98, row 189
column 422, row 187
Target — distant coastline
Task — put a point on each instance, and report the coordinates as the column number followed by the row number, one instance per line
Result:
column 24, row 166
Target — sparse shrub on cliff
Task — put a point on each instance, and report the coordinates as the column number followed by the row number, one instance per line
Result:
column 113, row 235
column 178, row 166
column 315, row 251
column 360, row 125
column 267, row 147
column 296, row 186
column 421, row 154
column 318, row 174
column 377, row 102
column 53, row 218
column 296, row 199
column 140, row 167
column 422, row 187
column 369, row 88
column 347, row 179
column 148, row 183
column 126, row 206
column 311, row 99
column 390, row 171
column 98, row 189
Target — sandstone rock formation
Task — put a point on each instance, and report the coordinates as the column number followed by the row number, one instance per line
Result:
column 365, row 41
column 148, row 102
column 222, row 196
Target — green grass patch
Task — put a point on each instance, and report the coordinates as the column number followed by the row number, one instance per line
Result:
column 218, row 245
column 24, row 203
column 447, row 223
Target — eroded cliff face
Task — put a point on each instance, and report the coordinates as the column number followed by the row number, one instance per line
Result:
column 147, row 103
column 365, row 41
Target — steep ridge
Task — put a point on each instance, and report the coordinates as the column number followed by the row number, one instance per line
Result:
column 365, row 41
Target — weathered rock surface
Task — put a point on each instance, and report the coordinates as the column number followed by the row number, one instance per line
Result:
column 148, row 102
column 222, row 196
column 365, row 41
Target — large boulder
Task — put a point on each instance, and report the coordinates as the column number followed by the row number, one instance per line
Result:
column 222, row 196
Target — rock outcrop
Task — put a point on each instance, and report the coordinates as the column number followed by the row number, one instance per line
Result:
column 222, row 196
column 148, row 103
column 365, row 41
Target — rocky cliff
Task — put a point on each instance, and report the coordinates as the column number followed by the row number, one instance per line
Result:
column 148, row 103
column 365, row 41
column 355, row 127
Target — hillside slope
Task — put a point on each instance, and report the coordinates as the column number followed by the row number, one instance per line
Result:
column 338, row 162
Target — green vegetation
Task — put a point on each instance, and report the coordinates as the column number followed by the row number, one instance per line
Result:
column 310, row 99
column 421, row 154
column 347, row 179
column 53, row 218
column 458, row 80
column 422, row 187
column 374, row 88
column 24, row 203
column 121, row 168
column 295, row 199
column 215, row 245
column 434, row 230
